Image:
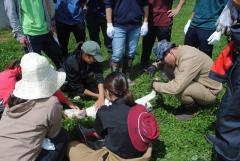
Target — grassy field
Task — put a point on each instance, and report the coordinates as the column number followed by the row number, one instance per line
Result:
column 179, row 140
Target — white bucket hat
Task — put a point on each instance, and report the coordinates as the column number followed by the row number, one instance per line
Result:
column 39, row 79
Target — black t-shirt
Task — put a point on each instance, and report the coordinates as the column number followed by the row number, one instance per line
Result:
column 111, row 124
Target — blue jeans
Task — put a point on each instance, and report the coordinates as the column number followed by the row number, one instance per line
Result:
column 197, row 38
column 124, row 41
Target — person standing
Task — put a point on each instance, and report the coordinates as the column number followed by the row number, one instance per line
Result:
column 124, row 20
column 96, row 21
column 202, row 24
column 69, row 17
column 31, row 26
column 159, row 25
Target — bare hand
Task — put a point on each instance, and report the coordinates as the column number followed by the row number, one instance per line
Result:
column 24, row 42
column 99, row 103
column 72, row 105
column 172, row 13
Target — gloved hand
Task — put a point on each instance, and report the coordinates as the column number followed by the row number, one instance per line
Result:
column 187, row 26
column 225, row 21
column 110, row 30
column 144, row 29
column 151, row 70
column 214, row 38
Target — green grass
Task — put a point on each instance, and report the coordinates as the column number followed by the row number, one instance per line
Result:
column 179, row 140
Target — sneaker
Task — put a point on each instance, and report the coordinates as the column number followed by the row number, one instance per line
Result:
column 210, row 138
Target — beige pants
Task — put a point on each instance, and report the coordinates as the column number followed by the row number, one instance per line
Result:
column 196, row 93
column 78, row 151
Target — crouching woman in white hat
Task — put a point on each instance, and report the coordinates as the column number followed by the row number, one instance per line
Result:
column 127, row 128
column 32, row 114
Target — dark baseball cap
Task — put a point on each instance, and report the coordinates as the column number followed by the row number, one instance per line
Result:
column 161, row 48
column 92, row 48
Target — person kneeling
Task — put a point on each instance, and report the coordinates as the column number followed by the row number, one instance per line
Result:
column 127, row 128
column 79, row 66
column 188, row 69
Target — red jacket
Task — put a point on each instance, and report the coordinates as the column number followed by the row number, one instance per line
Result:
column 222, row 64
column 8, row 81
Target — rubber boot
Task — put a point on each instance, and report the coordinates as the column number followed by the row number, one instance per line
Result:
column 114, row 67
column 126, row 69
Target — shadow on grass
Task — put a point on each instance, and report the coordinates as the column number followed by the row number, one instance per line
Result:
column 159, row 150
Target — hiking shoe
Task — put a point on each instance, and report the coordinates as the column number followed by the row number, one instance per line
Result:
column 210, row 138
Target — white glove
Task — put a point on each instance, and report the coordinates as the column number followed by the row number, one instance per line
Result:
column 110, row 30
column 47, row 144
column 214, row 38
column 144, row 29
column 187, row 26
column 224, row 21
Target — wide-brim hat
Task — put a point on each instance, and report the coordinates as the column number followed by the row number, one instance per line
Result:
column 39, row 79
column 92, row 48
column 142, row 127
column 161, row 48
column 237, row 2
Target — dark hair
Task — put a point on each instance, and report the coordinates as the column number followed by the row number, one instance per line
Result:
column 117, row 84
column 78, row 50
column 13, row 100
column 15, row 64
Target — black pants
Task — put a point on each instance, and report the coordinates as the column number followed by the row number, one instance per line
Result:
column 61, row 143
column 148, row 41
column 94, row 25
column 227, row 143
column 48, row 45
column 197, row 38
column 63, row 33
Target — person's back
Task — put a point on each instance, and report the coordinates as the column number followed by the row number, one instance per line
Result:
column 24, row 126
column 115, row 129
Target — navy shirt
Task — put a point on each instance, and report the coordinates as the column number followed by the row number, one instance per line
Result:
column 127, row 13
column 111, row 124
column 69, row 12
column 206, row 13
column 96, row 8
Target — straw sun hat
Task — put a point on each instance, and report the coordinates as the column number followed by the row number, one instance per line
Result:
column 39, row 79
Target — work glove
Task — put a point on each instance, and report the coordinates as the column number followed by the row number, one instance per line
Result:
column 214, row 38
column 151, row 70
column 187, row 26
column 224, row 21
column 144, row 29
column 110, row 30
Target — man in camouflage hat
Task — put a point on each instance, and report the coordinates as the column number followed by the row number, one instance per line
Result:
column 187, row 69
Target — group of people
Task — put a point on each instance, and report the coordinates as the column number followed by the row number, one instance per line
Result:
column 30, row 99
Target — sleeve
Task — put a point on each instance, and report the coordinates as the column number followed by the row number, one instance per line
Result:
column 12, row 12
column 188, row 69
column 73, row 77
column 63, row 99
column 108, row 3
column 145, row 3
column 54, row 120
column 98, row 126
column 98, row 71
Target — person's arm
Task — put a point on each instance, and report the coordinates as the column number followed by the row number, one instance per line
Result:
column 146, row 12
column 174, row 12
column 90, row 93
column 100, row 101
column 12, row 11
column 54, row 119
column 64, row 100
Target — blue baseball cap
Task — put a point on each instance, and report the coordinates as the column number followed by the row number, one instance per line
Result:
column 161, row 48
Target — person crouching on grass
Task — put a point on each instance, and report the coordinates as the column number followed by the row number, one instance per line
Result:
column 126, row 127
column 187, row 68
column 86, row 60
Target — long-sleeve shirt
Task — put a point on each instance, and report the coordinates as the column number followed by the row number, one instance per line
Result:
column 192, row 65
column 78, row 71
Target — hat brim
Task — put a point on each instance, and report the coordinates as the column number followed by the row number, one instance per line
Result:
column 40, row 89
column 98, row 58
column 133, row 129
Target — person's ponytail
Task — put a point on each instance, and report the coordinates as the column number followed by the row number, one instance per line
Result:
column 128, row 99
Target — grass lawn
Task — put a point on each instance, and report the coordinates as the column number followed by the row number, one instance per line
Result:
column 179, row 140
